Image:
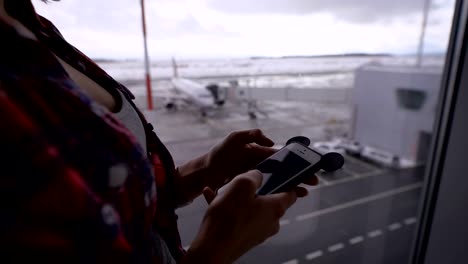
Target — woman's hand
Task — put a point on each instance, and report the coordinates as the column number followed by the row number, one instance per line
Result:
column 239, row 152
column 238, row 220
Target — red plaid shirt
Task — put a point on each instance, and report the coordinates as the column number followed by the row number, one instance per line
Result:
column 74, row 184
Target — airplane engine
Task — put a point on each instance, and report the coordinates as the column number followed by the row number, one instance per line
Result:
column 170, row 105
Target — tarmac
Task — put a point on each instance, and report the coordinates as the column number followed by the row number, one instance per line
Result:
column 361, row 214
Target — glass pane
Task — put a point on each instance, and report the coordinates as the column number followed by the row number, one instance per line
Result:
column 410, row 99
column 358, row 77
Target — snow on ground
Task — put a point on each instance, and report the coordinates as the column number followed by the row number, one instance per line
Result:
column 334, row 80
column 225, row 68
column 284, row 73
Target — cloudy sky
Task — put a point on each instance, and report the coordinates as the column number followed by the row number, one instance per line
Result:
column 240, row 28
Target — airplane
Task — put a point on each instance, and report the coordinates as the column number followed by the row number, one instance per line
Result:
column 205, row 97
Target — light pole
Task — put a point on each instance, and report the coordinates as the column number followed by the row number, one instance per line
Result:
column 147, row 61
column 427, row 5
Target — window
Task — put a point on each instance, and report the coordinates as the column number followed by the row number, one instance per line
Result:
column 411, row 99
column 323, row 69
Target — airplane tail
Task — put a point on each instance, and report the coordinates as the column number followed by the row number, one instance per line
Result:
column 175, row 72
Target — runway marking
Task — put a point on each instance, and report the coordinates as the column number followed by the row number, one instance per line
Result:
column 353, row 174
column 359, row 201
column 368, row 166
column 335, row 247
column 375, row 233
column 394, row 226
column 348, row 179
column 356, row 240
column 314, row 255
column 370, row 173
column 325, row 182
column 410, row 221
column 292, row 261
column 284, row 222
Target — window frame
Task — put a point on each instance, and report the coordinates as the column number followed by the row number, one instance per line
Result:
column 439, row 172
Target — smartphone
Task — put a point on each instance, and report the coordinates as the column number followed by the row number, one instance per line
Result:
column 287, row 168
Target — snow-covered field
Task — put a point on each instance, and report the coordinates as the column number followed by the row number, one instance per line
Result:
column 285, row 73
column 228, row 68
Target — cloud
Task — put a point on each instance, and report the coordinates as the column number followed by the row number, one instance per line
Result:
column 357, row 11
column 188, row 25
column 123, row 15
column 193, row 28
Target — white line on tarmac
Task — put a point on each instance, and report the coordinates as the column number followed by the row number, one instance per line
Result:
column 335, row 247
column 359, row 201
column 352, row 173
column 375, row 233
column 284, row 222
column 292, row 261
column 394, row 226
column 359, row 161
column 324, row 182
column 314, row 255
column 371, row 173
column 344, row 180
column 410, row 221
column 356, row 240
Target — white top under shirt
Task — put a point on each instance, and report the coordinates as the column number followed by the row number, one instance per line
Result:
column 130, row 118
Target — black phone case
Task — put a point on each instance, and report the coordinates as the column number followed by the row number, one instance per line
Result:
column 299, row 178
column 289, row 186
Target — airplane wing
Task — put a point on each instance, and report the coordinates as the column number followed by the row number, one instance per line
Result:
column 173, row 95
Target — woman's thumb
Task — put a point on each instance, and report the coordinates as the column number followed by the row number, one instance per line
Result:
column 209, row 194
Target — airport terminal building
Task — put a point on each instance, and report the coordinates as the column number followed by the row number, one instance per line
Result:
column 394, row 109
